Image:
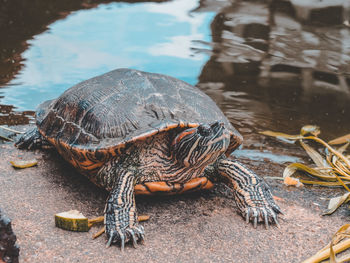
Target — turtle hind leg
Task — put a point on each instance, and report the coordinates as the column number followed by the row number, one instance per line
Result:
column 32, row 140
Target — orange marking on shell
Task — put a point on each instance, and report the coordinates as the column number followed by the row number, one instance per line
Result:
column 152, row 188
column 84, row 148
column 85, row 165
column 167, row 128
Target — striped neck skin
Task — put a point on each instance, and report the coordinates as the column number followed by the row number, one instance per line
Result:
column 196, row 148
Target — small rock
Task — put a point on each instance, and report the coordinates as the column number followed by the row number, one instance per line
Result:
column 9, row 250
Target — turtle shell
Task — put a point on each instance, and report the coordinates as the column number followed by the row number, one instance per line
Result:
column 105, row 113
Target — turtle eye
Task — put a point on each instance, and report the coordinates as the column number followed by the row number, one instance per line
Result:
column 216, row 126
column 204, row 130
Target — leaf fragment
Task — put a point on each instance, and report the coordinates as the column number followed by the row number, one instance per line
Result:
column 72, row 220
column 291, row 181
column 335, row 152
column 277, row 198
column 21, row 164
column 312, row 129
column 323, row 173
column 142, row 218
column 343, row 148
column 314, row 155
column 280, row 135
column 340, row 140
column 333, row 169
column 335, row 202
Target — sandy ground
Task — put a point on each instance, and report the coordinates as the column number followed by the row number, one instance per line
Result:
column 198, row 227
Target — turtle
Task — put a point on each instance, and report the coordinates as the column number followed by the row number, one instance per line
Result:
column 132, row 132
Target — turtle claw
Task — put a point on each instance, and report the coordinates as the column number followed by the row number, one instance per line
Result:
column 141, row 236
column 266, row 220
column 277, row 209
column 261, row 208
column 255, row 222
column 133, row 237
column 122, row 242
column 129, row 234
column 109, row 242
column 261, row 214
column 276, row 221
column 247, row 216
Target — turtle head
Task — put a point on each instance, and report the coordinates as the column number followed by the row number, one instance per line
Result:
column 201, row 145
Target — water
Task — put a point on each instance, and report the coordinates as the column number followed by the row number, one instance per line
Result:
column 146, row 36
column 264, row 66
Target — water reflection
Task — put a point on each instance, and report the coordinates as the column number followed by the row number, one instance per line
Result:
column 10, row 117
column 267, row 65
column 290, row 74
column 145, row 36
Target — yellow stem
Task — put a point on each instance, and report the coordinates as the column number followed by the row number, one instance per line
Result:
column 335, row 152
column 325, row 253
column 96, row 220
column 343, row 167
column 322, row 183
column 100, row 219
column 99, row 233
column 342, row 183
column 341, row 172
column 11, row 130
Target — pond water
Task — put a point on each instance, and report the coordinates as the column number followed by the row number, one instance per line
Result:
column 265, row 65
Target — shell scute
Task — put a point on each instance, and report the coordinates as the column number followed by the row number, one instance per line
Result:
column 51, row 125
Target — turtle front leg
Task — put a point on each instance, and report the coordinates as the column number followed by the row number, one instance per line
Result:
column 252, row 194
column 32, row 140
column 120, row 221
